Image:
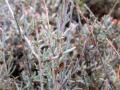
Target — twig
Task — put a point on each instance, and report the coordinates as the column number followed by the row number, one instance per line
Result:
column 113, row 7
column 13, row 15
column 27, row 41
column 110, row 42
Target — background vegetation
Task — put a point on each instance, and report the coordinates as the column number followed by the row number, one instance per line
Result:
column 59, row 45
